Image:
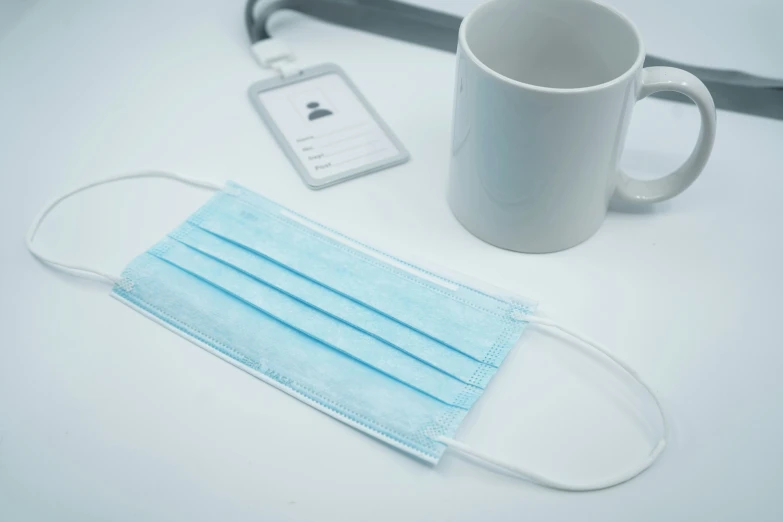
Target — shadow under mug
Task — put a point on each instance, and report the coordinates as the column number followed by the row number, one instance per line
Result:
column 543, row 98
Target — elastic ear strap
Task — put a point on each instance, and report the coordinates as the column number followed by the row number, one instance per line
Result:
column 556, row 484
column 80, row 270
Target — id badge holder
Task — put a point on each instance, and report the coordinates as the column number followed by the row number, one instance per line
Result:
column 326, row 127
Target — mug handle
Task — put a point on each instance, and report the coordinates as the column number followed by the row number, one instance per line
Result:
column 655, row 79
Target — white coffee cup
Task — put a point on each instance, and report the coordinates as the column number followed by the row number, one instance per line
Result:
column 543, row 98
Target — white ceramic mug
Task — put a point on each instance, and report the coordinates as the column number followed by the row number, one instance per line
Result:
column 543, row 98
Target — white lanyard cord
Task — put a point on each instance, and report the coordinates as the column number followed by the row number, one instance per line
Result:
column 84, row 271
column 526, row 474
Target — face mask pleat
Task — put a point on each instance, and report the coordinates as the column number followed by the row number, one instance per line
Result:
column 310, row 322
column 389, row 348
column 334, row 381
column 477, row 325
column 343, row 309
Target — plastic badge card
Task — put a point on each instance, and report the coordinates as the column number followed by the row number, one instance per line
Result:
column 325, row 126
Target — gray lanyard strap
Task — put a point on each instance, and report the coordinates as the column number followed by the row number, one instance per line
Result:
column 732, row 90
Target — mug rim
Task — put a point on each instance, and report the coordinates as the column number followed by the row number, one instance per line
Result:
column 463, row 43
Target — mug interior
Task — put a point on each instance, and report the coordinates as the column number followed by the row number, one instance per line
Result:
column 559, row 44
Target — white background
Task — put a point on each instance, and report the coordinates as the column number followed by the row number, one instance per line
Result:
column 11, row 11
column 105, row 415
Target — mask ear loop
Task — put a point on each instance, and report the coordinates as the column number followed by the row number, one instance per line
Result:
column 84, row 271
column 537, row 478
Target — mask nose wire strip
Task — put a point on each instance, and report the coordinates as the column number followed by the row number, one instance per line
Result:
column 526, row 474
column 84, row 271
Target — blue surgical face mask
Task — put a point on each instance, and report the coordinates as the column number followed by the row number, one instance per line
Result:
column 392, row 349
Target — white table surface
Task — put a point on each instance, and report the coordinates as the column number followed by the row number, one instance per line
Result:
column 105, row 415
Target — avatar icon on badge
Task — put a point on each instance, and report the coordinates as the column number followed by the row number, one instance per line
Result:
column 317, row 112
